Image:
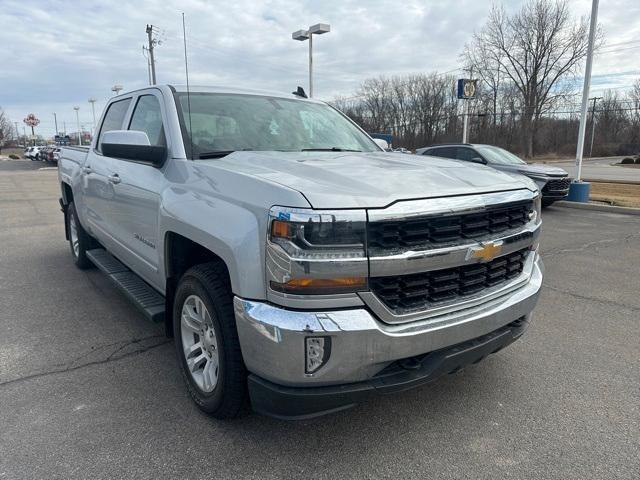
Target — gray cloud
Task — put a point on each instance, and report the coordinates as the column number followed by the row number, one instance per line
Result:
column 58, row 54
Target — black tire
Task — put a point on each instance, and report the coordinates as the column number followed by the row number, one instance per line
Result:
column 85, row 242
column 210, row 283
column 546, row 202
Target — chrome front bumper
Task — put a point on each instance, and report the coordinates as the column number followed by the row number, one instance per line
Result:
column 272, row 339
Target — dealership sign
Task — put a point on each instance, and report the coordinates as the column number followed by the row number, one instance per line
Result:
column 466, row 88
column 31, row 120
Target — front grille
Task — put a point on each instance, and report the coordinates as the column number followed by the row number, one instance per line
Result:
column 560, row 184
column 406, row 293
column 446, row 229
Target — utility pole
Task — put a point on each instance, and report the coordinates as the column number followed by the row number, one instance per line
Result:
column 18, row 133
column 593, row 123
column 64, row 127
column 146, row 56
column 55, row 119
column 152, row 42
column 586, row 87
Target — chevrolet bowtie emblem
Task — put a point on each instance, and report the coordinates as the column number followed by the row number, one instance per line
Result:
column 486, row 252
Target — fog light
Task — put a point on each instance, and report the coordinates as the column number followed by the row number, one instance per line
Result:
column 317, row 351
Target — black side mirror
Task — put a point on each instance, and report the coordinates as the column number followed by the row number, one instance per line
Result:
column 152, row 154
column 132, row 145
column 479, row 160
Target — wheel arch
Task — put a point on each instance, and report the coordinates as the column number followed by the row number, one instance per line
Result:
column 180, row 254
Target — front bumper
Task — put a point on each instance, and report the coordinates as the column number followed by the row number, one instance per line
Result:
column 272, row 338
column 295, row 403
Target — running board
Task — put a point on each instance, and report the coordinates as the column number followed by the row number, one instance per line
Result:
column 143, row 296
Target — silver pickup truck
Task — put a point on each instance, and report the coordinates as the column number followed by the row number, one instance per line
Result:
column 295, row 262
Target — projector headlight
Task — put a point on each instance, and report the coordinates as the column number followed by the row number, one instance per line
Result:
column 312, row 252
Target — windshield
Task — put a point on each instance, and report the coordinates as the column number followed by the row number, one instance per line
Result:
column 499, row 156
column 229, row 122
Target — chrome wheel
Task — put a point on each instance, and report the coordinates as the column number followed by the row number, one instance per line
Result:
column 73, row 234
column 199, row 343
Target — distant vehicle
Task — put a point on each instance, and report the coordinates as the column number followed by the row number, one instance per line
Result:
column 34, row 152
column 401, row 150
column 552, row 181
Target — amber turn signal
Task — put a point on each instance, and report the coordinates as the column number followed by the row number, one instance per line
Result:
column 317, row 286
column 280, row 229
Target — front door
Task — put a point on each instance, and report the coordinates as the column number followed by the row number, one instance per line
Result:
column 97, row 201
column 134, row 220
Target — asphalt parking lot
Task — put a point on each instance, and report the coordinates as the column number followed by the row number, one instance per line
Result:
column 89, row 389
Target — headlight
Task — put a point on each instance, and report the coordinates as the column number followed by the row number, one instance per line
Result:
column 311, row 252
column 537, row 208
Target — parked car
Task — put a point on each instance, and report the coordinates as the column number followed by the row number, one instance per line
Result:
column 27, row 152
column 37, row 152
column 291, row 258
column 553, row 181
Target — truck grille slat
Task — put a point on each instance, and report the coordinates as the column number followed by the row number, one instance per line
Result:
column 406, row 293
column 431, row 231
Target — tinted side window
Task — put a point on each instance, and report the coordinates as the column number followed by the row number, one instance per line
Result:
column 147, row 117
column 428, row 152
column 466, row 154
column 446, row 152
column 113, row 118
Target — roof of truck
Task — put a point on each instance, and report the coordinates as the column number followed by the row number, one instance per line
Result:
column 223, row 89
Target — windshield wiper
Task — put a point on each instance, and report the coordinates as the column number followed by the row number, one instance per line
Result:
column 332, row 149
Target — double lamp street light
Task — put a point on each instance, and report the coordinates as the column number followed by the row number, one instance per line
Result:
column 303, row 35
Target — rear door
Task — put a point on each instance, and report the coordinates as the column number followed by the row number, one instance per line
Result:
column 134, row 220
column 97, row 201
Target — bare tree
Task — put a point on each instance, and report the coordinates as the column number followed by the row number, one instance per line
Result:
column 536, row 48
column 6, row 128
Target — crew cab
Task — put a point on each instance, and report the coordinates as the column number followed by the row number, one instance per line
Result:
column 295, row 262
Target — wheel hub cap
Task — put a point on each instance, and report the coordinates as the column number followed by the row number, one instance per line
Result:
column 199, row 343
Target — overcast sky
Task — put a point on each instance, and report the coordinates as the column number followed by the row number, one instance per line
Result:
column 57, row 54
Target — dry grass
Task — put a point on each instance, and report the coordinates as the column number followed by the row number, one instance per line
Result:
column 622, row 194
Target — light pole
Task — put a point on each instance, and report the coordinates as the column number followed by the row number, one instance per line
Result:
column 92, row 101
column 116, row 89
column 303, row 35
column 585, row 98
column 76, row 108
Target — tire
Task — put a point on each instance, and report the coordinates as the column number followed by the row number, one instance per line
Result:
column 546, row 202
column 84, row 241
column 225, row 395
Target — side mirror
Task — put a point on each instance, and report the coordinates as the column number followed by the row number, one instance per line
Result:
column 479, row 160
column 132, row 145
column 381, row 143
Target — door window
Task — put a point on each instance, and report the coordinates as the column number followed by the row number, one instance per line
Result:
column 147, row 117
column 466, row 154
column 446, row 152
column 113, row 118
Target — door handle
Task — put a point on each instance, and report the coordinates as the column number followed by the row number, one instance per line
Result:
column 87, row 169
column 115, row 178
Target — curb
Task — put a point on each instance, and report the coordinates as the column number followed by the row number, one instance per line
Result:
column 619, row 182
column 598, row 207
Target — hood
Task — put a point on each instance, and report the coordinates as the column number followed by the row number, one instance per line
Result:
column 538, row 169
column 368, row 180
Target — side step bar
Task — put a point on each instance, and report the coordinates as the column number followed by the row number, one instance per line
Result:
column 143, row 296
